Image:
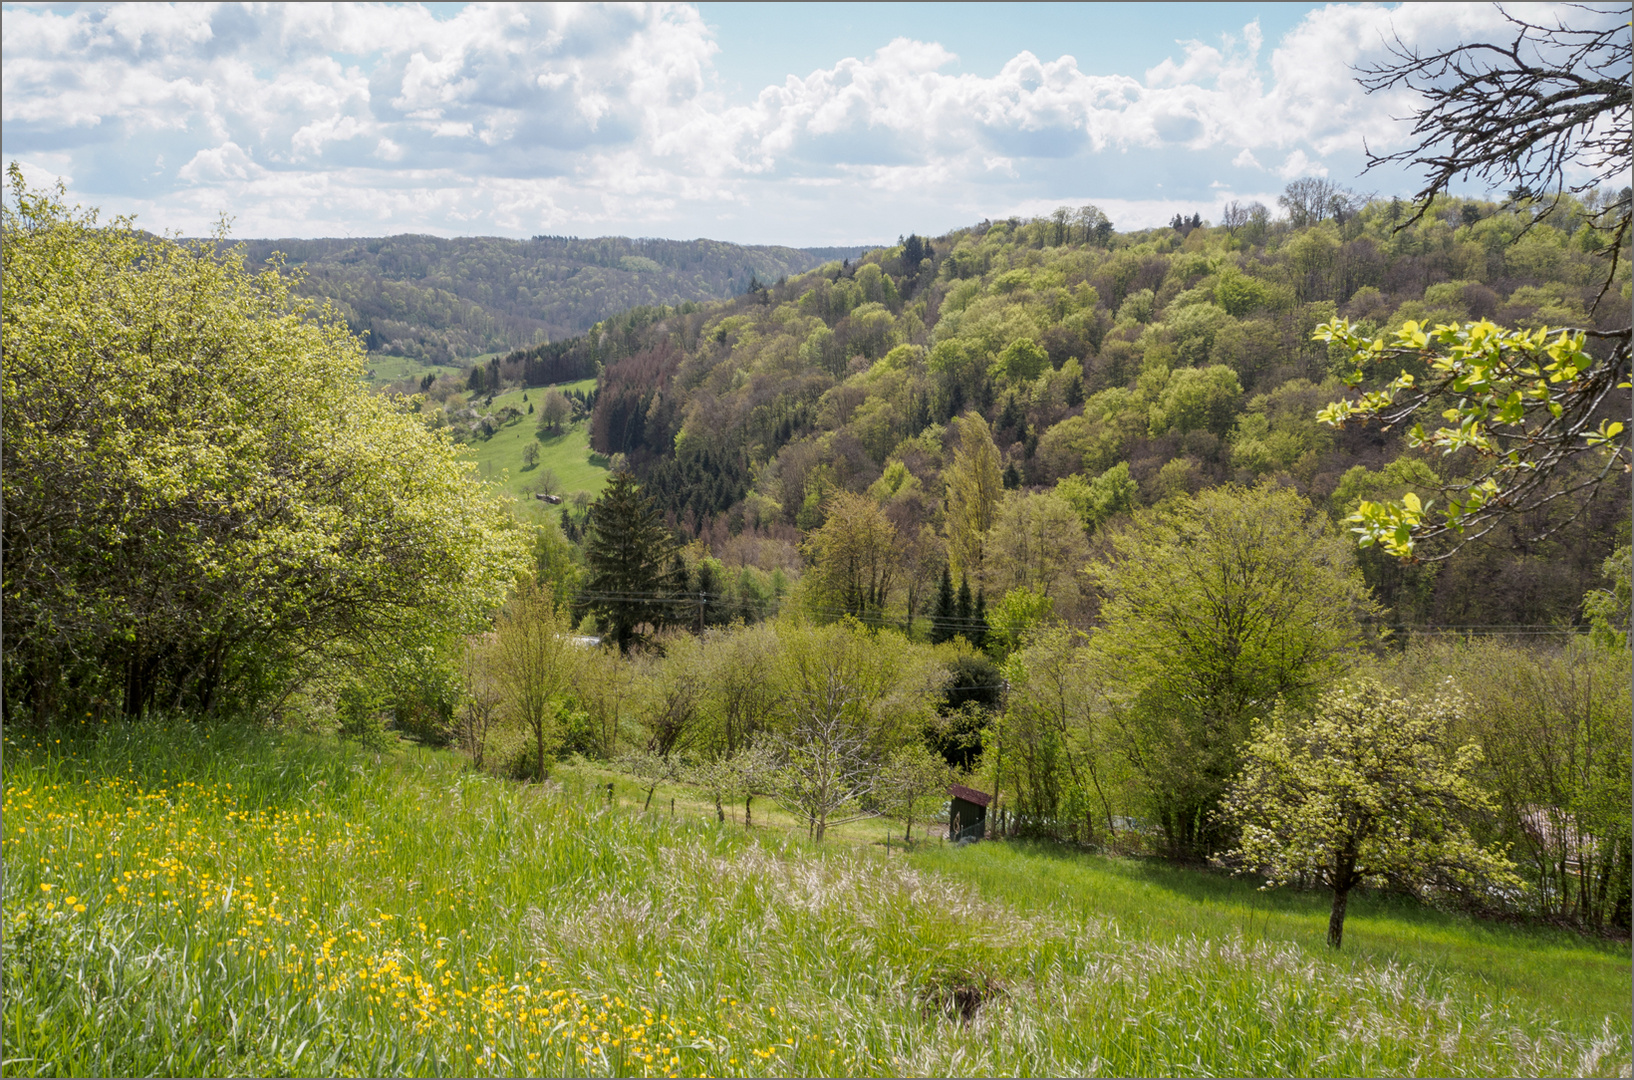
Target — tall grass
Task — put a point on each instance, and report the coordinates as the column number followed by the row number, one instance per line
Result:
column 182, row 899
column 1576, row 979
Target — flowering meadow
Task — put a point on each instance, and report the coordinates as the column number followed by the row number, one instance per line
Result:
column 185, row 899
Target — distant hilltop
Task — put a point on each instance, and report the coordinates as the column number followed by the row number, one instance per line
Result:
column 444, row 301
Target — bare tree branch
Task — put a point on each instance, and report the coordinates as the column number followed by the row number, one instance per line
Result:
column 1523, row 115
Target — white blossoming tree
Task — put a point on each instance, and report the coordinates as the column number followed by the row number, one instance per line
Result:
column 1361, row 790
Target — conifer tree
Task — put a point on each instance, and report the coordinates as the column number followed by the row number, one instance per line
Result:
column 942, row 625
column 629, row 554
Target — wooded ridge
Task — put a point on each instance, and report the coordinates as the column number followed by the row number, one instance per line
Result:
column 446, row 300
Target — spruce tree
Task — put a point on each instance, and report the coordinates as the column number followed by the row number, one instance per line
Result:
column 978, row 630
column 1010, row 417
column 913, row 250
column 942, row 626
column 1075, row 392
column 629, row 554
column 964, row 609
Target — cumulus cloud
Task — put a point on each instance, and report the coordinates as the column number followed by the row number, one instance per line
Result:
column 225, row 162
column 520, row 118
column 1297, row 164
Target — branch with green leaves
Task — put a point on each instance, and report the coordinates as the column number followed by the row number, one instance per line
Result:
column 1526, row 404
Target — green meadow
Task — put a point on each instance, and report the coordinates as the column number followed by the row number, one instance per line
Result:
column 188, row 899
column 499, row 459
column 567, row 455
column 384, row 369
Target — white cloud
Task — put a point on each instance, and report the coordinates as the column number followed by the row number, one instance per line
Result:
column 44, row 170
column 1297, row 164
column 226, row 162
column 527, row 118
column 1149, row 213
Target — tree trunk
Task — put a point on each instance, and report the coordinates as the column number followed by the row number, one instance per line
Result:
column 748, row 815
column 1337, row 917
column 720, row 812
column 539, row 731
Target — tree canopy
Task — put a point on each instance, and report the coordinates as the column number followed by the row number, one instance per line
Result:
column 1529, row 410
column 1360, row 789
column 1213, row 609
column 202, row 500
column 1535, row 413
column 1546, row 112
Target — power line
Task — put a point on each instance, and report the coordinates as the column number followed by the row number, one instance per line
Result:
column 715, row 599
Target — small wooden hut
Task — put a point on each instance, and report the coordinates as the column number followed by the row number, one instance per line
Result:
column 967, row 813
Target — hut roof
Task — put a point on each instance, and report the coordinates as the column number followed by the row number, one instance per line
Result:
column 970, row 795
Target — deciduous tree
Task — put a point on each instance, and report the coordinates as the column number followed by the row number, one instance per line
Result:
column 975, row 484
column 533, row 657
column 203, row 501
column 851, row 695
column 1545, row 113
column 741, row 693
column 1534, row 410
column 481, row 701
column 1360, row 790
column 912, row 784
column 1037, row 543
column 1054, row 743
column 1213, row 608
column 855, row 558
column 553, row 413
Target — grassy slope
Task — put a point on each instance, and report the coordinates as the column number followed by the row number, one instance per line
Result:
column 1154, row 900
column 385, row 369
column 499, row 459
column 223, row 900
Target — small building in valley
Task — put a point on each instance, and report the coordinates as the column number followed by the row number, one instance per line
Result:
column 967, row 813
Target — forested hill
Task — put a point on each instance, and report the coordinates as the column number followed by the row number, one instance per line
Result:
column 1112, row 371
column 442, row 301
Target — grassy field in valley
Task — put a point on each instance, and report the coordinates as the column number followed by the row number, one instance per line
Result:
column 185, row 899
column 384, row 369
column 499, row 459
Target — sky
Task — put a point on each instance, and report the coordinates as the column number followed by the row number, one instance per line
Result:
column 790, row 124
